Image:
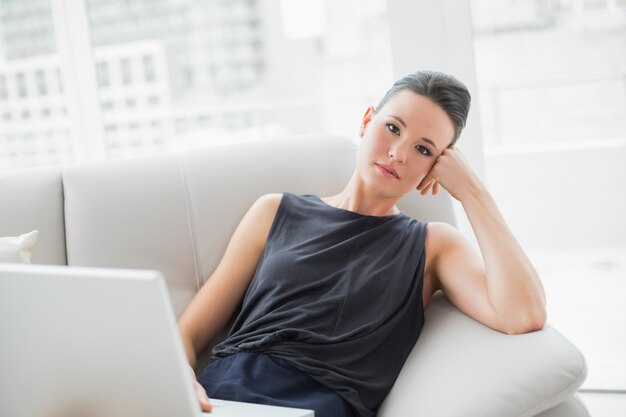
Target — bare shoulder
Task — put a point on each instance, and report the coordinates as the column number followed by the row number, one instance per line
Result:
column 267, row 204
column 258, row 220
column 440, row 237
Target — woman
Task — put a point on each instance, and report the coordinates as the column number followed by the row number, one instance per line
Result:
column 334, row 288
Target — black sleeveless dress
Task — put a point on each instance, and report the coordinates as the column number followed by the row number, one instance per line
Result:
column 337, row 295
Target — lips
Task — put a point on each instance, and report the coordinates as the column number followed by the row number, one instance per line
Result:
column 386, row 169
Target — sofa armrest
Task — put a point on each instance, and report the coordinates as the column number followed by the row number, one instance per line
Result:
column 571, row 407
column 460, row 367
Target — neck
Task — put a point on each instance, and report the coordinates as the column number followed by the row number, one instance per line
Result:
column 360, row 199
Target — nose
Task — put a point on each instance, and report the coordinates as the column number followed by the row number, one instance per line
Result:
column 396, row 153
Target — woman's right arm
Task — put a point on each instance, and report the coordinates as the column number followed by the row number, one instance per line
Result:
column 213, row 306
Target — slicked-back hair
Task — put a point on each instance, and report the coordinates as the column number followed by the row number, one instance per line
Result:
column 442, row 89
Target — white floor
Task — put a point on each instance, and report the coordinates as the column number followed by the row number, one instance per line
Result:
column 586, row 296
column 605, row 405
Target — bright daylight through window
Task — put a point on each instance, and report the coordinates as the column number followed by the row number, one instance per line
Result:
column 175, row 74
column 551, row 78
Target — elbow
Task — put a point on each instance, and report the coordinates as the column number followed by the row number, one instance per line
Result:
column 531, row 322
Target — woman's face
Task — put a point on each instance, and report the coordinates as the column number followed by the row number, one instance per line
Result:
column 400, row 143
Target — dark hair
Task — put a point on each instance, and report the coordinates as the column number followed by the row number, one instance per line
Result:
column 443, row 89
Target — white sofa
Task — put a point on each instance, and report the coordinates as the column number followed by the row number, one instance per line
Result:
column 176, row 212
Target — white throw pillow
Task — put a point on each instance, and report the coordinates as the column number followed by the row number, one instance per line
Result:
column 18, row 249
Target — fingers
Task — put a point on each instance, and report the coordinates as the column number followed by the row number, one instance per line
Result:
column 424, row 183
column 425, row 188
column 205, row 405
column 436, row 187
column 428, row 184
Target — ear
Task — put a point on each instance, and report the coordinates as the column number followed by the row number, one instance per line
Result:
column 367, row 117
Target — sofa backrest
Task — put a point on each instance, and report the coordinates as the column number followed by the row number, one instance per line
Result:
column 174, row 212
column 33, row 199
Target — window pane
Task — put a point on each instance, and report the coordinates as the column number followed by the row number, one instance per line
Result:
column 552, row 92
column 550, row 71
column 148, row 68
column 102, row 69
column 176, row 74
column 20, row 81
column 34, row 125
column 4, row 92
column 41, row 82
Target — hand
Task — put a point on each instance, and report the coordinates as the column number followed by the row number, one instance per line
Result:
column 205, row 405
column 452, row 172
column 428, row 184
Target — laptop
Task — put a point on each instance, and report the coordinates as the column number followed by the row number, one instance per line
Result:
column 94, row 342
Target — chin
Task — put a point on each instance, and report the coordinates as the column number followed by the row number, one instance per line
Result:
column 386, row 192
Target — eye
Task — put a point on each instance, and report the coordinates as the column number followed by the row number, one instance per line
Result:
column 423, row 150
column 393, row 128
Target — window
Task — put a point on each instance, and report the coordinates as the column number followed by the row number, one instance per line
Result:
column 551, row 81
column 180, row 64
column 3, row 88
column 148, row 68
column 550, row 71
column 59, row 81
column 20, row 80
column 125, row 71
column 103, row 74
column 31, row 90
column 41, row 82
column 183, row 63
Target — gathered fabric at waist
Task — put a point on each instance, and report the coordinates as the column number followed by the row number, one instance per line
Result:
column 263, row 379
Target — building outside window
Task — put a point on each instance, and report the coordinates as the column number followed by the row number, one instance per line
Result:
column 103, row 74
column 195, row 73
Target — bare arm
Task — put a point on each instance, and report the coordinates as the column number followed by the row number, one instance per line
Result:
column 501, row 290
column 217, row 300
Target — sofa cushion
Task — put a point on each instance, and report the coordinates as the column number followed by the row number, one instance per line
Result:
column 18, row 249
column 176, row 212
column 460, row 367
column 132, row 213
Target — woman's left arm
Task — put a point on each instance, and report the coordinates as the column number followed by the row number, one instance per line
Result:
column 503, row 291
